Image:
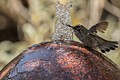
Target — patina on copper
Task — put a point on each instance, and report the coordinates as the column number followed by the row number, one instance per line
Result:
column 63, row 60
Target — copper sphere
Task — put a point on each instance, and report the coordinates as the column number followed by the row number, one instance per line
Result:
column 63, row 60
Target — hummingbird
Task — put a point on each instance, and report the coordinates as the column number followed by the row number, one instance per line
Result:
column 90, row 39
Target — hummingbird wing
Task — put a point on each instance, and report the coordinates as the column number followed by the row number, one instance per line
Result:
column 101, row 27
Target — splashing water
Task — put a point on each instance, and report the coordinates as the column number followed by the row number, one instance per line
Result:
column 62, row 32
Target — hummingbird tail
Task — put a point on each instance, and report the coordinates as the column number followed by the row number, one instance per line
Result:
column 108, row 45
column 105, row 45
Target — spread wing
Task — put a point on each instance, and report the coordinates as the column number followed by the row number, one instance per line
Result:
column 101, row 27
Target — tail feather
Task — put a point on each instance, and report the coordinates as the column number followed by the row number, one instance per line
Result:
column 105, row 45
column 108, row 45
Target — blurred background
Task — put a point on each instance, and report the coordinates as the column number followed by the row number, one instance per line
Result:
column 27, row 22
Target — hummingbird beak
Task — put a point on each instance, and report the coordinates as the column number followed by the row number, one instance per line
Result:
column 69, row 26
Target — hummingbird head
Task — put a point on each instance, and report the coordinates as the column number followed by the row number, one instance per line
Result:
column 79, row 27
